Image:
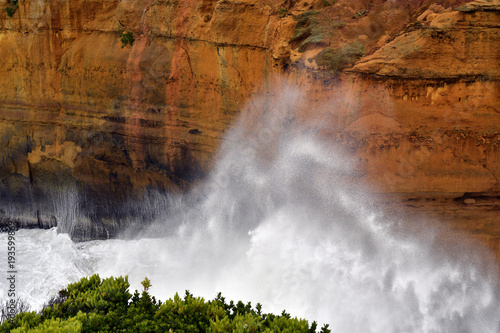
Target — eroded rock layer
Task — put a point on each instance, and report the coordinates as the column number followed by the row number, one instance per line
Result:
column 410, row 88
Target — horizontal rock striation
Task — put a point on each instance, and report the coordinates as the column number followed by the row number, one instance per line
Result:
column 108, row 124
column 79, row 110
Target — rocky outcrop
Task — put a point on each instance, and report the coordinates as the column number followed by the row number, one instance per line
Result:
column 109, row 123
column 78, row 110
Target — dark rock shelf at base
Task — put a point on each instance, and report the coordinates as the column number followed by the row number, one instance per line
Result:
column 24, row 222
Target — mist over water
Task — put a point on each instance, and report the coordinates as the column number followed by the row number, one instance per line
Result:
column 282, row 221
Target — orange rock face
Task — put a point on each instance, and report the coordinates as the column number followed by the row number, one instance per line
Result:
column 420, row 109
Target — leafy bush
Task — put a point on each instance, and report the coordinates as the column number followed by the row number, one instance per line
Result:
column 336, row 59
column 127, row 38
column 311, row 28
column 53, row 326
column 282, row 12
column 308, row 30
column 95, row 305
column 11, row 9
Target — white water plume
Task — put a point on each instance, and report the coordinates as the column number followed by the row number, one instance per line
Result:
column 281, row 221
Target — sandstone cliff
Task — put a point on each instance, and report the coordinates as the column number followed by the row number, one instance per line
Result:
column 411, row 88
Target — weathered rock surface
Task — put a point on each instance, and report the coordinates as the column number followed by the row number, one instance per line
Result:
column 106, row 123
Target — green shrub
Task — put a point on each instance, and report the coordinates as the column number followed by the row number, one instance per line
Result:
column 53, row 326
column 282, row 12
column 127, row 38
column 95, row 305
column 308, row 29
column 311, row 28
column 11, row 9
column 336, row 59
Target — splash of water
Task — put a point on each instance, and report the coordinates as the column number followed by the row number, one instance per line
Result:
column 281, row 221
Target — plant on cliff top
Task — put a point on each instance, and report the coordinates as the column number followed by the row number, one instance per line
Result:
column 95, row 305
column 336, row 59
column 127, row 38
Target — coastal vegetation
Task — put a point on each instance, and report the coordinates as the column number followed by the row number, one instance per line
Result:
column 105, row 305
column 314, row 28
column 127, row 38
column 12, row 7
column 336, row 59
